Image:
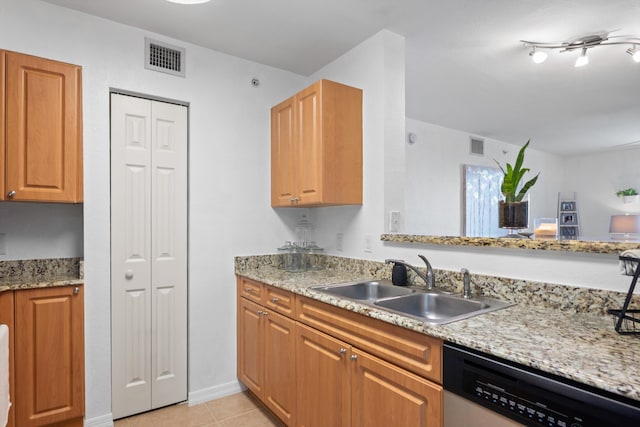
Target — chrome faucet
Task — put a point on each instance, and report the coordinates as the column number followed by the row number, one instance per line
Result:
column 466, row 280
column 428, row 278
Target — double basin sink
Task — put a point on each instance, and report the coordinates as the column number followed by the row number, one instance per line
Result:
column 432, row 307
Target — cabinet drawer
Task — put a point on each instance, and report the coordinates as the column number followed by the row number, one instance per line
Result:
column 278, row 300
column 418, row 353
column 250, row 289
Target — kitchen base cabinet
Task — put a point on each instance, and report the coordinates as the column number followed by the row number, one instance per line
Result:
column 266, row 351
column 384, row 395
column 7, row 318
column 49, row 357
column 344, row 369
column 323, row 380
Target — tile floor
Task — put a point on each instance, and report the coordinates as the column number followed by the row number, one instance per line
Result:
column 237, row 410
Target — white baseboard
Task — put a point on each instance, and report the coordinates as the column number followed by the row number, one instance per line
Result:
column 216, row 392
column 101, row 421
column 195, row 397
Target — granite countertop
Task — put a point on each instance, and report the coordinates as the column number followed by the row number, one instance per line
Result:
column 581, row 346
column 41, row 273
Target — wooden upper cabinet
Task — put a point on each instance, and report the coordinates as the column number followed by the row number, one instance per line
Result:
column 43, row 136
column 316, row 147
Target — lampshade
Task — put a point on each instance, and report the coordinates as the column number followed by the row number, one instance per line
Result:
column 624, row 224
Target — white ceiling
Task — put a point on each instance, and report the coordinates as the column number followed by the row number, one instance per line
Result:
column 465, row 66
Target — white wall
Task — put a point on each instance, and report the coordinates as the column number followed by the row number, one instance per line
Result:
column 596, row 177
column 376, row 66
column 435, row 181
column 25, row 226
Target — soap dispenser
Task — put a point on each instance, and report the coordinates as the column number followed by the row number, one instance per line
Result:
column 399, row 275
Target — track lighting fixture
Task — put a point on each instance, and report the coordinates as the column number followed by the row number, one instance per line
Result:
column 583, row 44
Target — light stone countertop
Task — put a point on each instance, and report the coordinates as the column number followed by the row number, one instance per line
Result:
column 581, row 346
column 40, row 273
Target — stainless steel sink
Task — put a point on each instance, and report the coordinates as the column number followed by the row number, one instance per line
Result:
column 371, row 290
column 438, row 308
column 429, row 306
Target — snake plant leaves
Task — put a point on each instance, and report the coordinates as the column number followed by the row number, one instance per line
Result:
column 513, row 176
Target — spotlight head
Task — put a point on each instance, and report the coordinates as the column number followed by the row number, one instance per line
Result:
column 635, row 53
column 583, row 59
column 538, row 56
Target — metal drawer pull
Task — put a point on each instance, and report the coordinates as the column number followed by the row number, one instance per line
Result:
column 343, row 350
column 275, row 300
column 354, row 357
column 248, row 290
column 76, row 290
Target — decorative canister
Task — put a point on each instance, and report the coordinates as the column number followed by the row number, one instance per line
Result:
column 314, row 257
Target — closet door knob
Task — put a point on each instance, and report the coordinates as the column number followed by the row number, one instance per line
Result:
column 128, row 274
column 11, row 193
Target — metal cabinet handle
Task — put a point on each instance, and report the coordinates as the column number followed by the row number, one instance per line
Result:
column 294, row 200
column 76, row 290
column 275, row 300
column 262, row 313
column 248, row 290
column 11, row 193
column 354, row 357
column 343, row 350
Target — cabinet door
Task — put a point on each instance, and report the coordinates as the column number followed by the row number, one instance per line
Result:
column 3, row 99
column 283, row 154
column 49, row 355
column 323, row 380
column 250, row 345
column 43, row 130
column 384, row 395
column 280, row 366
column 309, row 144
column 6, row 318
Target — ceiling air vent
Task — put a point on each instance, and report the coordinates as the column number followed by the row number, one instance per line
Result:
column 163, row 57
column 477, row 146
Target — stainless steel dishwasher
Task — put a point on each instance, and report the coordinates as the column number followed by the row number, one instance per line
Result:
column 485, row 391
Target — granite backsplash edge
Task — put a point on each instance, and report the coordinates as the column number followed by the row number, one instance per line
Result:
column 570, row 299
column 36, row 270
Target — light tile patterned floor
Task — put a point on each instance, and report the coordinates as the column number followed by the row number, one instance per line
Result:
column 237, row 410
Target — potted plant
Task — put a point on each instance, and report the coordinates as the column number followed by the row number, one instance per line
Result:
column 513, row 211
column 630, row 195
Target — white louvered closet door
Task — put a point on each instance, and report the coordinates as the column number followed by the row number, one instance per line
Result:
column 148, row 254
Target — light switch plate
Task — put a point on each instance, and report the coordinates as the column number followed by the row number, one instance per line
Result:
column 394, row 221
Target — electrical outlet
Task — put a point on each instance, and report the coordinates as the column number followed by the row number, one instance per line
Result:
column 368, row 244
column 394, row 221
column 340, row 242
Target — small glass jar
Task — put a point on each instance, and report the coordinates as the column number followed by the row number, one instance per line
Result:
column 314, row 257
column 292, row 257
